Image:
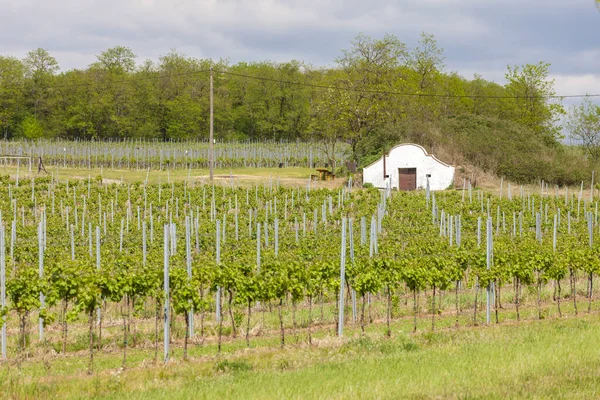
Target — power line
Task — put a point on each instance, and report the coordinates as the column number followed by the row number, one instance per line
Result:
column 321, row 86
column 405, row 94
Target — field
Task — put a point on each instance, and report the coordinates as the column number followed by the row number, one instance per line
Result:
column 159, row 284
column 174, row 155
column 541, row 359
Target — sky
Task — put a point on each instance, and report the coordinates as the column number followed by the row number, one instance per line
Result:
column 478, row 36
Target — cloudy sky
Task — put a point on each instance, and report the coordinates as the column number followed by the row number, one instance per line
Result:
column 477, row 35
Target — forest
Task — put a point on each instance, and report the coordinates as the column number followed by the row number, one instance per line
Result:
column 379, row 92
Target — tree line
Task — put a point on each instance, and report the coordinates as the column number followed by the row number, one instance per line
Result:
column 378, row 92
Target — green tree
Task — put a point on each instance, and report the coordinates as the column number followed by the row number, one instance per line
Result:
column 118, row 60
column 367, row 70
column 31, row 129
column 12, row 75
column 75, row 115
column 41, row 69
column 329, row 123
column 583, row 124
column 113, row 100
column 533, row 105
column 182, row 96
column 426, row 60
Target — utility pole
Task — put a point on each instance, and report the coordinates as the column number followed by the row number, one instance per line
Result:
column 211, row 148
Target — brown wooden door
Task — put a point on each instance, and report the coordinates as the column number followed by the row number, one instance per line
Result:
column 407, row 178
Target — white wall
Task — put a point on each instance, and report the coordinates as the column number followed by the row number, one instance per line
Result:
column 410, row 156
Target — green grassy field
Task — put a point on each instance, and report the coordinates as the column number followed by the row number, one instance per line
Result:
column 292, row 175
column 554, row 358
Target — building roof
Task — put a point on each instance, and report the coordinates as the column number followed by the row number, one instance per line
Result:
column 409, row 144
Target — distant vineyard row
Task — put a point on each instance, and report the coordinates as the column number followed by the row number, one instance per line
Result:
column 154, row 155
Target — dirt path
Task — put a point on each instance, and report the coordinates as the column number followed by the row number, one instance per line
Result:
column 254, row 179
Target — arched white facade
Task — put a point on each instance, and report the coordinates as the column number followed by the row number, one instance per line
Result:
column 410, row 156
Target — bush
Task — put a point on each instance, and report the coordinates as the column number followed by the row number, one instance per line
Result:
column 508, row 149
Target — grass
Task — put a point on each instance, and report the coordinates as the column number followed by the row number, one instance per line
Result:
column 552, row 358
column 292, row 176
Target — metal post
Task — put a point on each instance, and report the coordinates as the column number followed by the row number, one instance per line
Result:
column 72, row 243
column 218, row 295
column 258, row 247
column 554, row 233
column 590, row 229
column 98, row 262
column 41, row 272
column 342, row 279
column 188, row 259
column 3, row 288
column 351, row 238
column 211, row 149
column 144, row 257
column 166, row 290
column 489, row 249
column 276, row 237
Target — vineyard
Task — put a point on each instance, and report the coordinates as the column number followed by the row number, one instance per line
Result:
column 158, row 155
column 89, row 268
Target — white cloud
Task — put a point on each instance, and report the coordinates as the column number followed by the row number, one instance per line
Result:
column 477, row 36
column 577, row 84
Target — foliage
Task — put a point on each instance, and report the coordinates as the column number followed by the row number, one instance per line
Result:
column 380, row 92
column 583, row 124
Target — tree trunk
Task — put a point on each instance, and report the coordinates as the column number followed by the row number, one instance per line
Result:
column 433, row 309
column 362, row 314
column 220, row 330
column 456, row 304
column 233, row 330
column 294, row 325
column 517, row 299
column 248, row 323
column 187, row 335
column 99, row 344
column 369, row 310
column 202, row 312
column 65, row 306
column 558, row 298
column 498, row 287
column 416, row 307
column 132, row 321
column 310, row 320
column 281, row 323
column 389, row 311
column 539, row 295
column 475, row 302
column 23, row 328
column 590, row 290
column 124, row 316
column 496, row 299
column 573, row 289
column 156, row 331
column 321, row 306
column 91, row 322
